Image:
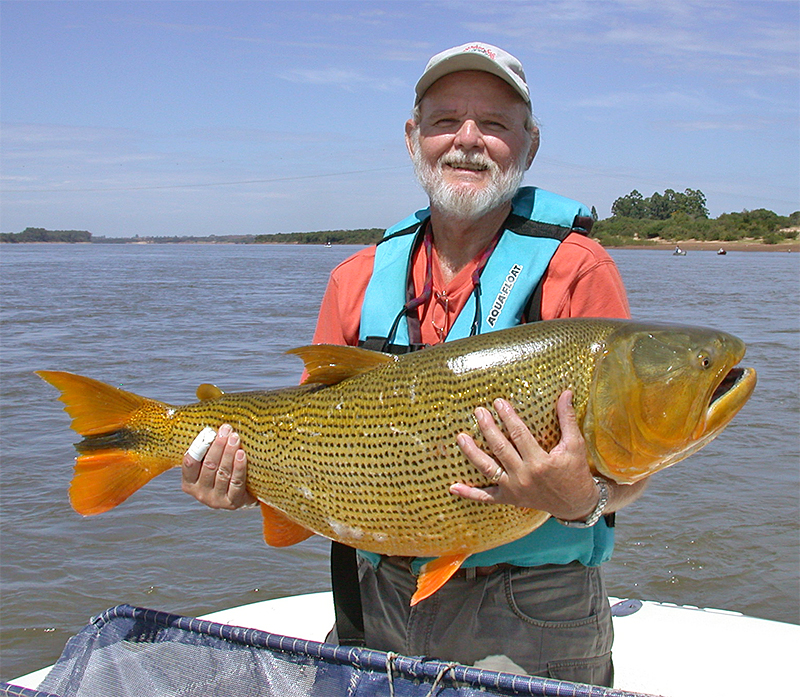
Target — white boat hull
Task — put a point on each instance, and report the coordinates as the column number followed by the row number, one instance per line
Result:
column 659, row 648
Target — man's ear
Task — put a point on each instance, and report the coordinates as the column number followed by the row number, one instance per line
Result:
column 410, row 126
column 533, row 149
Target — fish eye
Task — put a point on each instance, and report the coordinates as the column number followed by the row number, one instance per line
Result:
column 704, row 360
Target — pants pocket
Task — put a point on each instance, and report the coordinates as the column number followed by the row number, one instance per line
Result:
column 598, row 670
column 567, row 610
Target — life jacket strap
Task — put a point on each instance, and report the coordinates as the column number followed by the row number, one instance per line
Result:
column 381, row 343
column 346, row 596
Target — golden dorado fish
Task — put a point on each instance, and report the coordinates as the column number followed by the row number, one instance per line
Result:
column 365, row 451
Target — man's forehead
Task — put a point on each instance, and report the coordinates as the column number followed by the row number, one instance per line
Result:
column 461, row 92
column 459, row 86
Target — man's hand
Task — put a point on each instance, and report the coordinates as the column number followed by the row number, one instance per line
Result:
column 219, row 480
column 526, row 475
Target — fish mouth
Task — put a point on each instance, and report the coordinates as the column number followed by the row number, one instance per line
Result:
column 727, row 384
column 727, row 399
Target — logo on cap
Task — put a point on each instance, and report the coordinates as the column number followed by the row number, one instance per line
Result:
column 477, row 48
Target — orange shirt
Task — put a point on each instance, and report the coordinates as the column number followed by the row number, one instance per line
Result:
column 581, row 281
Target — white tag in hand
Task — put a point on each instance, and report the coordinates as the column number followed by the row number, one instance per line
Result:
column 200, row 445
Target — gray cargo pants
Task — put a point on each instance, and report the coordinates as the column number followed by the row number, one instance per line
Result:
column 550, row 621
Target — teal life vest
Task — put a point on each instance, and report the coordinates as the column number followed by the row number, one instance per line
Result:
column 538, row 223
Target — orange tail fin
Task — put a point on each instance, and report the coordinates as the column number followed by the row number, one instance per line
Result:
column 105, row 479
column 435, row 574
column 113, row 464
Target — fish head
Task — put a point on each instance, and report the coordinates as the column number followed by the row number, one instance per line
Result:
column 659, row 393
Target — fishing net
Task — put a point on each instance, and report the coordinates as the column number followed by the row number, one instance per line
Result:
column 135, row 652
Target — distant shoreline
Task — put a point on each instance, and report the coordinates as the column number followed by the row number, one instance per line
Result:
column 713, row 246
column 650, row 245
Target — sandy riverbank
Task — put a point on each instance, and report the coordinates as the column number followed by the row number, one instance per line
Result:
column 706, row 246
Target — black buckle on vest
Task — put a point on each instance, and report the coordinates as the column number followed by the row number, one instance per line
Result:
column 381, row 343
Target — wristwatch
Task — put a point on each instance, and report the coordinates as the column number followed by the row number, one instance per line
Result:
column 596, row 514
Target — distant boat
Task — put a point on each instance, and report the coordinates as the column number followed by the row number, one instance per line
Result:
column 679, row 252
column 721, row 251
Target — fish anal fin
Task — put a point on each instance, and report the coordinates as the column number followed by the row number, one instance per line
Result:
column 435, row 574
column 327, row 364
column 208, row 391
column 279, row 531
column 104, row 479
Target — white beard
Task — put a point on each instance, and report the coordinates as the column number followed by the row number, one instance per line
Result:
column 463, row 203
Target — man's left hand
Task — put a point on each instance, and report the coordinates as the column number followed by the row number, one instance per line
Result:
column 559, row 482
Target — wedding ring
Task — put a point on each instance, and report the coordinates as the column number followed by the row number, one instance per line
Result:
column 496, row 477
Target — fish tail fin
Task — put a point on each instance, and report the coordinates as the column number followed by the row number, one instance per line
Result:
column 105, row 479
column 113, row 462
column 435, row 574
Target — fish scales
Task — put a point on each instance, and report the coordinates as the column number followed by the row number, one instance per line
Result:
column 368, row 461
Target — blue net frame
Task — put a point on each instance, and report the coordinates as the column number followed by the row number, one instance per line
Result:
column 132, row 652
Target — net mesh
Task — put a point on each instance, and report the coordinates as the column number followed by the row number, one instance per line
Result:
column 136, row 652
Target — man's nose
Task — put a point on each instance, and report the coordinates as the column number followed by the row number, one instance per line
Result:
column 469, row 136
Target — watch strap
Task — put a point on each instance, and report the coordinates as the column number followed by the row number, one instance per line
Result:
column 597, row 513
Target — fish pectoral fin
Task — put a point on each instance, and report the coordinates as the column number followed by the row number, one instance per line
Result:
column 435, row 574
column 208, row 391
column 279, row 530
column 327, row 364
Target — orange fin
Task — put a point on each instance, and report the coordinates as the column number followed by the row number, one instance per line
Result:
column 435, row 574
column 114, row 461
column 106, row 478
column 327, row 364
column 208, row 391
column 279, row 531
column 95, row 407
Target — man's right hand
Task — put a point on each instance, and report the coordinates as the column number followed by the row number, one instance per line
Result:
column 219, row 481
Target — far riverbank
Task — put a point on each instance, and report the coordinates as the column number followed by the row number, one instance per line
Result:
column 714, row 246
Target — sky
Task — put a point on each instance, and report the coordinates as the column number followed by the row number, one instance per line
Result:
column 216, row 118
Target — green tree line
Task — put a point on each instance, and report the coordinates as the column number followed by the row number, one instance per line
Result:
column 674, row 216
column 359, row 236
column 679, row 216
column 38, row 234
column 661, row 206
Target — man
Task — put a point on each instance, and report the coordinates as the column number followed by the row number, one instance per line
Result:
column 486, row 255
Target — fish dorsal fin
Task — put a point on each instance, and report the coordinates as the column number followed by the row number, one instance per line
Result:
column 208, row 391
column 435, row 574
column 279, row 531
column 327, row 364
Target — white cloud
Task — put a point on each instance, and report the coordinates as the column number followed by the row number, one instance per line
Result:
column 339, row 77
column 649, row 99
column 714, row 36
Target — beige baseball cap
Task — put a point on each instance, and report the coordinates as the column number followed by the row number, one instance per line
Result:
column 475, row 56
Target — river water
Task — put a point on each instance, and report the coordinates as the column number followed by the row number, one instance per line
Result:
column 717, row 530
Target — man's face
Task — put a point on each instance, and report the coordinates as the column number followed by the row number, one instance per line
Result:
column 470, row 147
